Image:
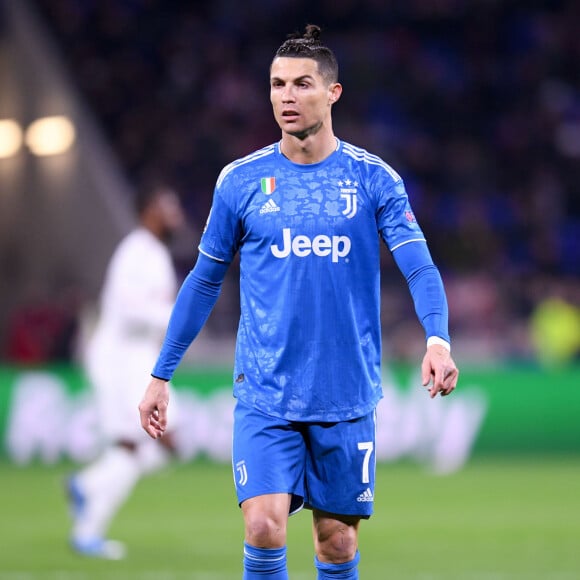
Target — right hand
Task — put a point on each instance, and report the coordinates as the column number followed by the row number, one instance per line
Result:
column 153, row 408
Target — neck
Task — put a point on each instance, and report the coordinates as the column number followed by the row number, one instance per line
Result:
column 153, row 227
column 310, row 149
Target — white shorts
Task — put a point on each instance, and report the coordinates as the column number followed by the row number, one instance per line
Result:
column 119, row 377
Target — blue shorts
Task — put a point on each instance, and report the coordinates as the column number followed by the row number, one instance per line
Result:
column 326, row 466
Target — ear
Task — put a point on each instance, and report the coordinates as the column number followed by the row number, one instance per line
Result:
column 334, row 92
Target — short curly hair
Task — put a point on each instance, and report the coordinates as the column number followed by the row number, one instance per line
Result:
column 308, row 45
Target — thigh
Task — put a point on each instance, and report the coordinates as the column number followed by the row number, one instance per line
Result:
column 268, row 456
column 341, row 466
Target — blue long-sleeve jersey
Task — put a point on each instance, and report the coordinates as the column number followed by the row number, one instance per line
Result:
column 309, row 337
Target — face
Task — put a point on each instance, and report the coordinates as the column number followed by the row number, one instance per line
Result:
column 169, row 212
column 301, row 98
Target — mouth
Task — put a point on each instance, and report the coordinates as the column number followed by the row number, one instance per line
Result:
column 290, row 115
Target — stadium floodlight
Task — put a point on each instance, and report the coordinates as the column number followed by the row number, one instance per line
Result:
column 50, row 135
column 10, row 138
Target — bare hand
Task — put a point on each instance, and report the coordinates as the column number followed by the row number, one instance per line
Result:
column 153, row 408
column 438, row 371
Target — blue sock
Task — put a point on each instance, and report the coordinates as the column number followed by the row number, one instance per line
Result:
column 260, row 563
column 345, row 571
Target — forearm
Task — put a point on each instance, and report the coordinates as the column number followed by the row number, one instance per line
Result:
column 426, row 287
column 195, row 301
column 430, row 301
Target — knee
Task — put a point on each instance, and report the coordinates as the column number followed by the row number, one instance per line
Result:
column 336, row 542
column 264, row 531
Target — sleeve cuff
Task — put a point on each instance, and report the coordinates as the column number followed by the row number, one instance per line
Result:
column 437, row 340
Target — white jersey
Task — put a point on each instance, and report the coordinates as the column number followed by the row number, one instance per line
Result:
column 136, row 302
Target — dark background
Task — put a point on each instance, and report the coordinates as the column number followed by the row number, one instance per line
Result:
column 475, row 103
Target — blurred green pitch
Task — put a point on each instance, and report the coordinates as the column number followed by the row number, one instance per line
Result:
column 498, row 519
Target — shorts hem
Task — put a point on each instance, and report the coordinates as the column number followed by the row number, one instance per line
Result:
column 363, row 516
column 297, row 503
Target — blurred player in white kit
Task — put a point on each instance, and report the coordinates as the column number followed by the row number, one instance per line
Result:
column 137, row 297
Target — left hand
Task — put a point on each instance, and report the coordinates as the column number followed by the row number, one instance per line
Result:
column 438, row 371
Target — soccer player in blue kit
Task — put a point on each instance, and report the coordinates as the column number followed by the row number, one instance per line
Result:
column 306, row 215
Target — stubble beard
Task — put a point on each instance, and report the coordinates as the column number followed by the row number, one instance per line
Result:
column 305, row 133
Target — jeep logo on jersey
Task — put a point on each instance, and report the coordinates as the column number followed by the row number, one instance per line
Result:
column 321, row 245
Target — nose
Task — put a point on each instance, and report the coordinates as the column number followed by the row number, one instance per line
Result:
column 288, row 94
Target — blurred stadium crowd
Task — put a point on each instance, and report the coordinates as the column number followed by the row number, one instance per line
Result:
column 475, row 103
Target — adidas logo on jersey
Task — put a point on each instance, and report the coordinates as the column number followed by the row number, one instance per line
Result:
column 269, row 207
column 366, row 495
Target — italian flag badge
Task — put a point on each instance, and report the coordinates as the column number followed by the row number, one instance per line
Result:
column 268, row 184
